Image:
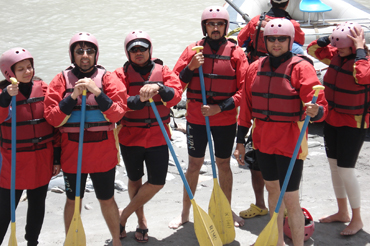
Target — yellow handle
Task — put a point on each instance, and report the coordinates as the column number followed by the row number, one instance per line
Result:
column 197, row 48
column 13, row 80
column 84, row 92
column 317, row 89
column 150, row 99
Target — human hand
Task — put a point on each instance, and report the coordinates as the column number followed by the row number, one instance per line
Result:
column 89, row 85
column 239, row 153
column 13, row 89
column 312, row 109
column 56, row 170
column 209, row 110
column 358, row 38
column 148, row 91
column 196, row 61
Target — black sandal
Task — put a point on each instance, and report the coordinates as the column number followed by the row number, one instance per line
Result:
column 143, row 232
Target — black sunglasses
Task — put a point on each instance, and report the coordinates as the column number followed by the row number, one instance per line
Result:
column 137, row 49
column 89, row 51
column 280, row 39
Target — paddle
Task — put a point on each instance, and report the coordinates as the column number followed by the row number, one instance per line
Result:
column 269, row 235
column 13, row 238
column 244, row 15
column 76, row 233
column 203, row 226
column 219, row 208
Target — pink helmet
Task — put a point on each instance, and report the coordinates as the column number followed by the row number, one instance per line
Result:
column 309, row 225
column 212, row 13
column 83, row 37
column 339, row 36
column 11, row 57
column 141, row 38
column 280, row 26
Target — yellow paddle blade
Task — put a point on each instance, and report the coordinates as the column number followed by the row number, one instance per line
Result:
column 76, row 233
column 219, row 210
column 13, row 238
column 204, row 228
column 270, row 234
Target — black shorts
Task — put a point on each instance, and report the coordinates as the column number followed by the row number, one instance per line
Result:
column 275, row 167
column 223, row 139
column 343, row 144
column 250, row 158
column 103, row 184
column 156, row 162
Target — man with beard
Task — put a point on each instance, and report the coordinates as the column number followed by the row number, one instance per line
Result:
column 106, row 105
column 224, row 65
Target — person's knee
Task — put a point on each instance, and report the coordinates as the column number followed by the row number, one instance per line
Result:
column 272, row 187
column 195, row 164
column 107, row 202
column 155, row 187
column 291, row 200
column 223, row 165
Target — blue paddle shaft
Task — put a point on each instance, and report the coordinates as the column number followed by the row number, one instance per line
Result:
column 80, row 144
column 14, row 151
column 292, row 161
column 171, row 149
column 208, row 128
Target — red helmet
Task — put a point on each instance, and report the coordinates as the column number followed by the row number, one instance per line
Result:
column 280, row 26
column 11, row 57
column 83, row 37
column 339, row 36
column 212, row 13
column 309, row 225
column 140, row 38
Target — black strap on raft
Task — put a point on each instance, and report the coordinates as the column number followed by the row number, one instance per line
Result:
column 146, row 121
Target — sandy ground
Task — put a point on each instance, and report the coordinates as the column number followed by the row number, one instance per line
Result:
column 316, row 195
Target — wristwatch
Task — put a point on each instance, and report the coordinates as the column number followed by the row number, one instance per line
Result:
column 161, row 86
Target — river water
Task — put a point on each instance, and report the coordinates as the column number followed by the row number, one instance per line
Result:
column 45, row 28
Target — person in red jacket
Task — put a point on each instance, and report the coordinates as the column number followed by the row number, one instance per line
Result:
column 106, row 105
column 347, row 89
column 224, row 65
column 251, row 36
column 278, row 103
column 141, row 139
column 37, row 146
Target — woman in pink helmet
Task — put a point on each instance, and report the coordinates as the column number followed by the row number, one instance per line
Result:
column 36, row 152
column 275, row 89
column 347, row 89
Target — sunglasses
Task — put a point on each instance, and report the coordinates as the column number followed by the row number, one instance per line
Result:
column 88, row 51
column 137, row 49
column 280, row 39
column 213, row 24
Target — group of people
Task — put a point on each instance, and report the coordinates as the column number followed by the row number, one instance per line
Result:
column 274, row 93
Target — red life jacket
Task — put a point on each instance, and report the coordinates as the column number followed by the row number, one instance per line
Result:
column 145, row 117
column 219, row 75
column 273, row 96
column 32, row 128
column 342, row 92
column 95, row 120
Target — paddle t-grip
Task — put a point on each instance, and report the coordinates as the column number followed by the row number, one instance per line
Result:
column 13, row 80
column 197, row 48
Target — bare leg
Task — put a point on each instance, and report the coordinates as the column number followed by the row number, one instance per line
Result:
column 69, row 209
column 226, row 183
column 139, row 195
column 110, row 212
column 192, row 176
column 295, row 218
column 273, row 188
column 341, row 216
column 355, row 225
column 258, row 187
